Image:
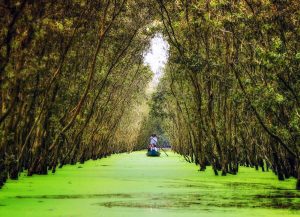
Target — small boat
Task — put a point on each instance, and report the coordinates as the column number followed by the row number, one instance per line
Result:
column 153, row 153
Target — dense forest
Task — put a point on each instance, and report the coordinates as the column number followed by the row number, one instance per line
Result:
column 73, row 79
column 72, row 75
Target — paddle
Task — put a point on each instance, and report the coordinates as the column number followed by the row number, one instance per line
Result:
column 164, row 151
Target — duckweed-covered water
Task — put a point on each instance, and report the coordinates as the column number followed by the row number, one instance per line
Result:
column 138, row 186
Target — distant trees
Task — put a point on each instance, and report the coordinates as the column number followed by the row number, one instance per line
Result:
column 232, row 83
column 69, row 72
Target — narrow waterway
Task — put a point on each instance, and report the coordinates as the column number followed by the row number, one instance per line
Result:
column 135, row 185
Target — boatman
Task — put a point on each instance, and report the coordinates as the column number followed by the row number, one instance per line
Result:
column 153, row 141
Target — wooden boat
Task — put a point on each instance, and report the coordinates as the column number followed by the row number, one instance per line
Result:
column 153, row 153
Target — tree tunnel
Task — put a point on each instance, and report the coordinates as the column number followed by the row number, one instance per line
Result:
column 75, row 83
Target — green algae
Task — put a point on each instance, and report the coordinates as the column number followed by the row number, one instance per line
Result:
column 134, row 185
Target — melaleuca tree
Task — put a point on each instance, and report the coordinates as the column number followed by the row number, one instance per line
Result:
column 233, row 77
column 70, row 72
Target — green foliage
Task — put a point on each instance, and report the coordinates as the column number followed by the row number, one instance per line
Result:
column 73, row 75
column 232, row 83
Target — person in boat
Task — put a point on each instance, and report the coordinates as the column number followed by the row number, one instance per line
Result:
column 153, row 142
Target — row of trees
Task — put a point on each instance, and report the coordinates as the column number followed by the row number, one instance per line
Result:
column 71, row 76
column 230, row 94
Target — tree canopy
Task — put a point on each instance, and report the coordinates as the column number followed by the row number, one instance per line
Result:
column 73, row 82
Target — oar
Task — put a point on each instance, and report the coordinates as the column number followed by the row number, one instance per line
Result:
column 164, row 151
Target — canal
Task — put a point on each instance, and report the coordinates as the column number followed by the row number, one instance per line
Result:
column 135, row 185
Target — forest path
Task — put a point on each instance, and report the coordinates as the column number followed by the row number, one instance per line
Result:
column 138, row 186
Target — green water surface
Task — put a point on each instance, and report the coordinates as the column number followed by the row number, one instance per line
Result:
column 135, row 185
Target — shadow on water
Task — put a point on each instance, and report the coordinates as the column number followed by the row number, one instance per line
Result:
column 207, row 200
column 201, row 201
column 74, row 196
